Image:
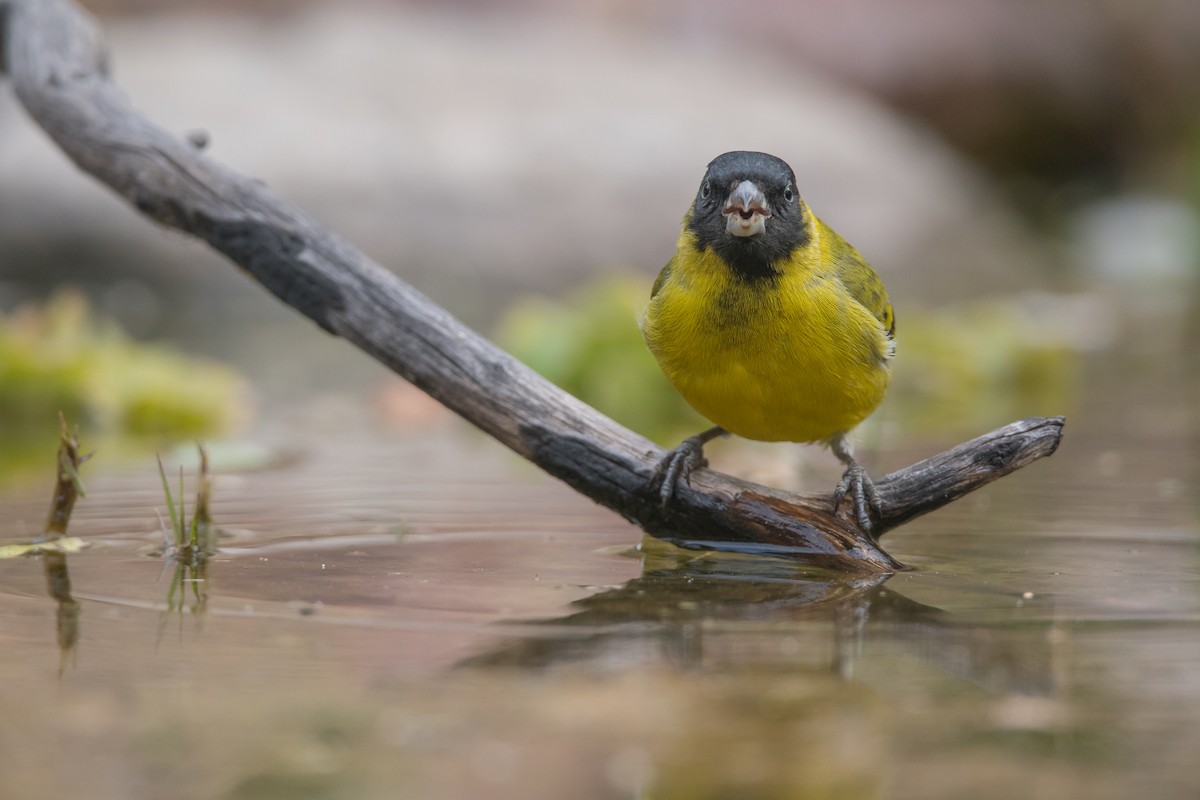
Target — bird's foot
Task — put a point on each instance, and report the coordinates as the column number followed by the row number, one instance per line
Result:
column 679, row 464
column 858, row 484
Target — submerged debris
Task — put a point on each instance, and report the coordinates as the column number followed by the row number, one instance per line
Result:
column 63, row 544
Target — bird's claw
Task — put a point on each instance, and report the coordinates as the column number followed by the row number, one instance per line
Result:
column 677, row 466
column 861, row 489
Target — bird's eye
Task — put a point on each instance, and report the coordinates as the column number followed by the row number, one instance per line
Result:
column 788, row 194
column 705, row 190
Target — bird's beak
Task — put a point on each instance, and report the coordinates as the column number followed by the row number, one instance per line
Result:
column 746, row 211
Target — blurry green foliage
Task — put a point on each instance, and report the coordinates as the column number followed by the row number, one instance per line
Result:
column 972, row 366
column 590, row 345
column 61, row 357
column 959, row 370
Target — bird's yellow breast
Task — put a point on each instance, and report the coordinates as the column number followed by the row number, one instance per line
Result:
column 795, row 357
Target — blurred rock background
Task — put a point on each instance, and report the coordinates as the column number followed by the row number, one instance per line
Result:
column 1043, row 159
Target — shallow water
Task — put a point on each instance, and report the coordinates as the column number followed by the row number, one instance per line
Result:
column 424, row 616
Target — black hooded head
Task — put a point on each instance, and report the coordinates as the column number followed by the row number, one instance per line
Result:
column 748, row 211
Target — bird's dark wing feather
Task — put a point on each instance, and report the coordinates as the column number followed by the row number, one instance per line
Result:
column 860, row 280
column 662, row 278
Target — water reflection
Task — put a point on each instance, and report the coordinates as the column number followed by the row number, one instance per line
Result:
column 189, row 588
column 66, row 620
column 720, row 612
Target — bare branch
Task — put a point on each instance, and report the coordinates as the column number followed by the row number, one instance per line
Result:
column 56, row 61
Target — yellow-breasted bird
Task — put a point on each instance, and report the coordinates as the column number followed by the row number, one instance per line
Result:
column 769, row 323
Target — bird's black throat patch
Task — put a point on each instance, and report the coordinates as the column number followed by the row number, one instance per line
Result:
column 750, row 258
column 754, row 259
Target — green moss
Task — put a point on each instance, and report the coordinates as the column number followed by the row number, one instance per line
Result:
column 61, row 357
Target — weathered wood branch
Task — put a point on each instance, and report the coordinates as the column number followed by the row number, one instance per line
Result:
column 56, row 61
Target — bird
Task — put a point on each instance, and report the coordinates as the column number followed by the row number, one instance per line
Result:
column 769, row 324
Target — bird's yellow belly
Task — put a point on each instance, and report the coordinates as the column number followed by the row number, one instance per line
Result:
column 800, row 370
column 805, row 406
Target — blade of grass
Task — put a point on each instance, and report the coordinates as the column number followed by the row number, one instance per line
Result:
column 175, row 526
column 201, row 515
column 193, row 532
column 181, row 534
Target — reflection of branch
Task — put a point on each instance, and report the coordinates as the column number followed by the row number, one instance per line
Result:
column 998, row 657
column 669, row 608
column 56, row 62
column 674, row 613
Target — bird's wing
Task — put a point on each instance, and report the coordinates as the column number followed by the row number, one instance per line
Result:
column 861, row 281
column 662, row 278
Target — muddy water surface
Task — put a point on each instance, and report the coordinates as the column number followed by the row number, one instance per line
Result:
column 422, row 616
